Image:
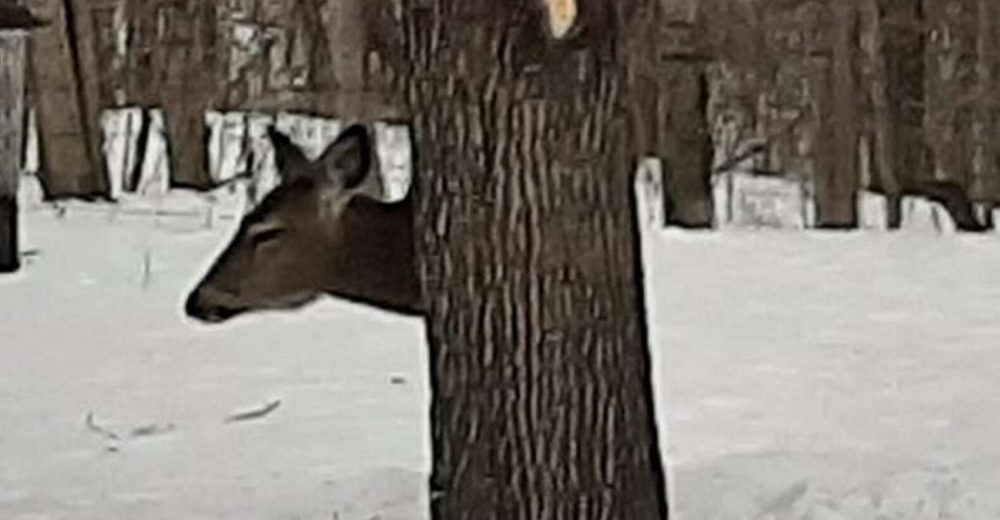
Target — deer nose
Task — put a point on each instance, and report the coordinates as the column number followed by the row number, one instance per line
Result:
column 194, row 307
column 201, row 306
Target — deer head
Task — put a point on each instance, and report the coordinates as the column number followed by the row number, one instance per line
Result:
column 322, row 230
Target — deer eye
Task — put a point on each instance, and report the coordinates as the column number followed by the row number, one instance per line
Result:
column 262, row 235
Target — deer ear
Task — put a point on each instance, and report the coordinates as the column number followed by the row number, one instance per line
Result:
column 347, row 162
column 288, row 158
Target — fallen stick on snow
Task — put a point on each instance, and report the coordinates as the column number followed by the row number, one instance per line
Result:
column 254, row 414
column 94, row 427
column 152, row 429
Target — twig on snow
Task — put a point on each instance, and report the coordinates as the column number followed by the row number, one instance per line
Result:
column 147, row 268
column 102, row 431
column 254, row 414
column 152, row 429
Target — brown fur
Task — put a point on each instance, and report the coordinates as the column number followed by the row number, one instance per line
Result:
column 319, row 232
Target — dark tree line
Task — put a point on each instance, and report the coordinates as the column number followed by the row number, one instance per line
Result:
column 884, row 95
column 845, row 95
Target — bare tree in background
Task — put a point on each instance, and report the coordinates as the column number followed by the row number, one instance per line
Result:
column 669, row 98
column 836, row 178
column 542, row 402
column 14, row 21
column 63, row 82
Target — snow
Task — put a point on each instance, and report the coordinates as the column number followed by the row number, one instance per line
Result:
column 748, row 200
column 154, row 176
column 923, row 215
column 93, row 325
column 120, row 145
column 798, row 374
column 873, row 210
column 226, row 137
column 829, row 375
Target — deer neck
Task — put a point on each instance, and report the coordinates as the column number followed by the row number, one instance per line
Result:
column 376, row 263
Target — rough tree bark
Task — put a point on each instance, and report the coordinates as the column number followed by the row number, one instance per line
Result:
column 173, row 65
column 70, row 164
column 669, row 97
column 881, row 174
column 902, row 26
column 12, row 74
column 685, row 143
column 542, row 402
column 837, row 178
column 950, row 71
column 360, row 34
column 985, row 158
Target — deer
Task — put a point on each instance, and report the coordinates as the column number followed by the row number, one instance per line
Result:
column 955, row 200
column 324, row 230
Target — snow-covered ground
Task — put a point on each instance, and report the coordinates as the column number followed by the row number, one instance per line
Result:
column 830, row 375
column 800, row 375
column 93, row 325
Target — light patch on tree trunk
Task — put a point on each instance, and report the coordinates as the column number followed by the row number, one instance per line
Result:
column 562, row 15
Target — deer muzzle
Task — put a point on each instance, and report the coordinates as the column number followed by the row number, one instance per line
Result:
column 212, row 306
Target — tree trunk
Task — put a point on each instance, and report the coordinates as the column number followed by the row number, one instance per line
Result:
column 903, row 45
column 67, row 145
column 686, row 144
column 542, row 402
column 174, row 65
column 881, row 145
column 10, row 260
column 950, row 66
column 837, row 178
column 360, row 35
column 82, row 36
column 12, row 71
column 986, row 117
column 669, row 97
